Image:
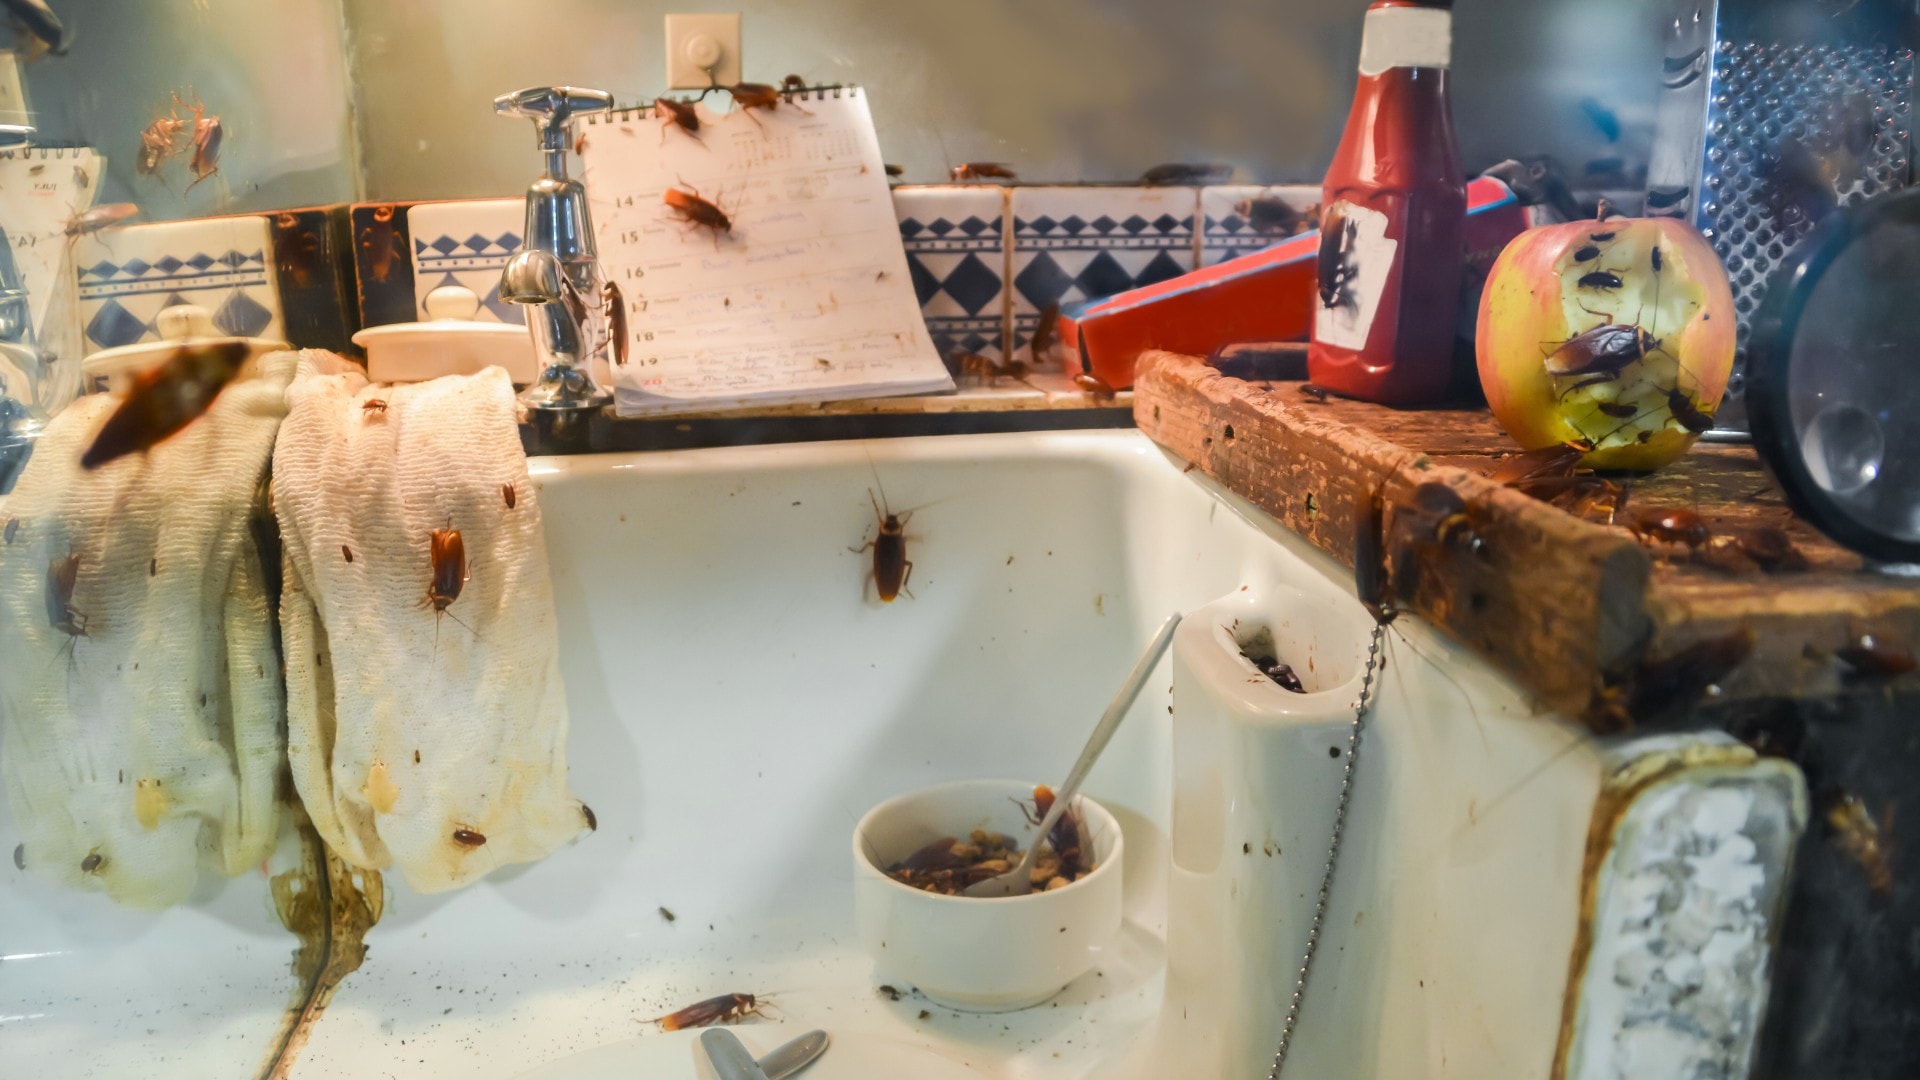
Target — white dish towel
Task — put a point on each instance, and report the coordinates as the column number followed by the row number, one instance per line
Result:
column 417, row 741
column 153, row 744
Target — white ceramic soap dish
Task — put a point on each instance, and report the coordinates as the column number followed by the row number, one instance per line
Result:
column 451, row 342
column 182, row 324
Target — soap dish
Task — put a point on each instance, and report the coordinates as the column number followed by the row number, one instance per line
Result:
column 182, row 324
column 451, row 342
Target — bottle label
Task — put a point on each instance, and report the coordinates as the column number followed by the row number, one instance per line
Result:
column 1406, row 37
column 1356, row 258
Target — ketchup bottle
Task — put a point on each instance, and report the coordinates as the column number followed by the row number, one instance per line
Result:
column 1393, row 209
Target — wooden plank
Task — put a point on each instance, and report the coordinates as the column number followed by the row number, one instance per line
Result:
column 1574, row 610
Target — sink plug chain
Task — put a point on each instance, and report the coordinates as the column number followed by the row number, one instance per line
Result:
column 1333, row 852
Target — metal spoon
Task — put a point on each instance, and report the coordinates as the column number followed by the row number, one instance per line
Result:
column 1019, row 880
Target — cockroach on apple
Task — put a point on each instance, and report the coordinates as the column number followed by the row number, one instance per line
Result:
column 892, row 570
column 381, row 242
column 1601, row 279
column 1869, row 657
column 677, row 114
column 165, row 399
column 1690, row 416
column 725, row 1009
column 982, row 170
column 1604, row 350
column 698, row 212
column 1866, row 841
column 614, row 308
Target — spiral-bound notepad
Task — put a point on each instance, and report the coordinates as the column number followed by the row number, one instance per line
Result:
column 41, row 191
column 805, row 297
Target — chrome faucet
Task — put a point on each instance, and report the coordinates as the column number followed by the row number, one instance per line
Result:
column 557, row 270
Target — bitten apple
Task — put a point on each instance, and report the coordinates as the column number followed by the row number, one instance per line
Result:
column 1617, row 332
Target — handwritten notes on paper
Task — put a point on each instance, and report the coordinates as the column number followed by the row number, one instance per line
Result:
column 776, row 275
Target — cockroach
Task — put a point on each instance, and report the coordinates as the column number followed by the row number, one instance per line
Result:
column 92, row 863
column 1866, row 841
column 1657, row 263
column 1605, row 349
column 34, row 20
column 1282, row 674
column 677, row 114
column 1587, row 254
column 593, row 823
column 759, row 96
column 580, row 143
column 1690, row 416
column 1671, row 526
column 1617, row 410
column 1869, row 657
column 1370, row 573
column 13, row 529
column 793, row 84
column 508, row 496
column 157, row 142
column 449, row 555
column 725, row 1009
column 1772, row 549
column 1601, row 279
column 934, row 857
column 1451, row 524
column 892, row 570
column 891, row 993
column 381, row 242
column 667, row 914
column 208, row 133
column 346, row 553
column 894, row 170
column 62, row 575
column 1317, row 393
column 468, row 838
column 1557, row 460
column 19, row 856
column 100, row 217
column 982, row 170
column 1179, row 172
column 1270, row 215
column 614, row 309
column 1602, row 237
column 1677, row 681
column 1094, row 386
column 165, row 399
column 299, row 249
column 1335, row 270
column 698, row 212
column 1042, row 340
column 373, row 405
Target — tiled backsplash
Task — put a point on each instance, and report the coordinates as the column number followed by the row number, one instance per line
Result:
column 128, row 275
column 955, row 238
column 466, row 243
column 1083, row 243
column 1225, row 230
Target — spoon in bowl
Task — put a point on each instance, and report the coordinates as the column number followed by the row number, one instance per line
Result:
column 1019, row 880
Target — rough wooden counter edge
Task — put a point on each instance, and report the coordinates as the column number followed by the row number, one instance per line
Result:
column 1562, row 606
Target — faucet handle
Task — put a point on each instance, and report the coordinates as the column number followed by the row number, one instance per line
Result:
column 553, row 109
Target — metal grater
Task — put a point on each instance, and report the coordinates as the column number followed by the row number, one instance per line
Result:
column 1772, row 113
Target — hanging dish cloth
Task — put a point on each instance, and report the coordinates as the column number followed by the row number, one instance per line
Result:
column 140, row 693
column 427, row 724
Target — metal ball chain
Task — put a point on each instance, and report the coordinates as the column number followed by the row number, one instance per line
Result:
column 1333, row 851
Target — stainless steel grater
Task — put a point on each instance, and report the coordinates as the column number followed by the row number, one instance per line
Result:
column 1773, row 113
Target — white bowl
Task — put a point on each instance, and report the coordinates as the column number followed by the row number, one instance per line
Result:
column 979, row 955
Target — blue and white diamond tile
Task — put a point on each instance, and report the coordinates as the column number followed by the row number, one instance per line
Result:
column 955, row 239
column 129, row 275
column 1083, row 243
column 1238, row 219
column 468, row 243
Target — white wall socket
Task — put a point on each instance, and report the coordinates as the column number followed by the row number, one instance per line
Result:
column 702, row 51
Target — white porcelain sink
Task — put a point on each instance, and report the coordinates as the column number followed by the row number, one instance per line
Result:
column 738, row 702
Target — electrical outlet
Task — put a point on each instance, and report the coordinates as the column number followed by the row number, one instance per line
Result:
column 702, row 51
